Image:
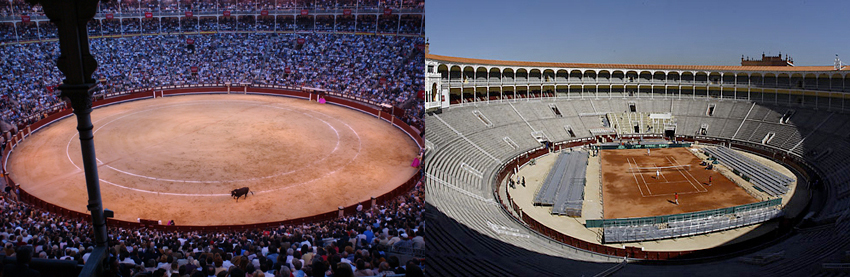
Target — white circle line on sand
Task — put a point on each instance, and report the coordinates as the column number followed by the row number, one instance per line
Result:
column 359, row 148
column 336, row 132
column 336, row 147
column 67, row 150
column 356, row 155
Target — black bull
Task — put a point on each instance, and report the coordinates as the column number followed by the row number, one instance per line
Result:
column 240, row 192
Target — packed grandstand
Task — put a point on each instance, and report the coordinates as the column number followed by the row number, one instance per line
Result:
column 368, row 51
column 489, row 121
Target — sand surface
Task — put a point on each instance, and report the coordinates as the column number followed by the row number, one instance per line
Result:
column 179, row 157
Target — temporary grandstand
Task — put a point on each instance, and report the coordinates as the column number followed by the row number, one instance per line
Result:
column 564, row 186
column 688, row 224
column 764, row 178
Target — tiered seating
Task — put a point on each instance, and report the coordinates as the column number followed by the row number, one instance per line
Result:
column 729, row 128
column 758, row 113
column 740, row 110
column 747, row 130
column 583, row 106
column 477, row 219
column 763, row 177
column 466, row 122
column 680, row 106
column 533, row 111
column 808, row 249
column 686, row 125
column 696, row 108
column 500, row 114
column 723, row 109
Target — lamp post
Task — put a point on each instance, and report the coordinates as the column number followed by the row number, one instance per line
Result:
column 76, row 62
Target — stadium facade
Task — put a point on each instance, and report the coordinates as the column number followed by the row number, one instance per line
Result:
column 462, row 80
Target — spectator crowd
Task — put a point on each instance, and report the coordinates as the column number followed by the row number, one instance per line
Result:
column 368, row 243
column 383, row 69
column 18, row 7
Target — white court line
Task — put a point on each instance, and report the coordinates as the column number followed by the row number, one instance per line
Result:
column 645, row 183
column 636, row 180
column 683, row 174
column 356, row 155
column 673, row 161
column 692, row 177
column 641, row 177
column 662, row 175
column 681, row 193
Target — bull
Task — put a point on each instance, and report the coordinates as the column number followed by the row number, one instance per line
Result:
column 240, row 192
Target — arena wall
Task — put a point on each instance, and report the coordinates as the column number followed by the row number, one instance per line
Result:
column 148, row 93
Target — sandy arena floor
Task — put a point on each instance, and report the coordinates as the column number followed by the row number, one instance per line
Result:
column 179, row 157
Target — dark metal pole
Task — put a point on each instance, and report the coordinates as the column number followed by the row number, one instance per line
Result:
column 75, row 61
column 80, row 96
column 78, row 65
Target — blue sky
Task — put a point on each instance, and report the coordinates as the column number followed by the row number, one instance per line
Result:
column 643, row 32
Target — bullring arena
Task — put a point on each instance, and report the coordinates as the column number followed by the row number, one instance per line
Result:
column 777, row 203
column 315, row 106
column 178, row 157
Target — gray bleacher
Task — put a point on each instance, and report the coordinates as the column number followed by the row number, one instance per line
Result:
column 571, row 193
column 762, row 177
column 684, row 228
column 740, row 110
column 730, row 128
column 723, row 109
column 547, row 192
column 747, row 130
column 564, row 186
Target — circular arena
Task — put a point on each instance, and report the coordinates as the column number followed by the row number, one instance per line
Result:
column 313, row 105
column 157, row 154
column 773, row 199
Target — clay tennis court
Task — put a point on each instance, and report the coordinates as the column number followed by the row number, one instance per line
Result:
column 629, row 189
column 178, row 158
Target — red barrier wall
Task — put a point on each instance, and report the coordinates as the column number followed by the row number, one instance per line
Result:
column 148, row 93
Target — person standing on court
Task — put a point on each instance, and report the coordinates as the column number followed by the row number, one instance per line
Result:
column 676, row 196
